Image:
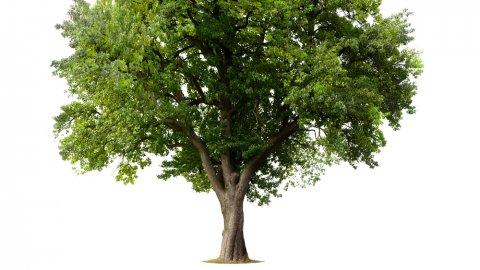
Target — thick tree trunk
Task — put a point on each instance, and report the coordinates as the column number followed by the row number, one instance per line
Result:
column 233, row 243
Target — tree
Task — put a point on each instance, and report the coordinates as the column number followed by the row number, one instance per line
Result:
column 241, row 97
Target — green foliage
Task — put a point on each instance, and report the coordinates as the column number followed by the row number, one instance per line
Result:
column 234, row 73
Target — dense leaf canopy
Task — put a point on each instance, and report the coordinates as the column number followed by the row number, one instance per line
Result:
column 292, row 85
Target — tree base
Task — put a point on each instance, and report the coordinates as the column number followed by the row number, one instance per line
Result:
column 221, row 261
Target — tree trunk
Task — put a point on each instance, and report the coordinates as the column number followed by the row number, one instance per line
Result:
column 233, row 248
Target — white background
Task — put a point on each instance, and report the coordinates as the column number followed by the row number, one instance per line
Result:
column 418, row 210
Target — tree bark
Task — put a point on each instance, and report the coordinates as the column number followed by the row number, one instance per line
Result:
column 231, row 186
column 233, row 249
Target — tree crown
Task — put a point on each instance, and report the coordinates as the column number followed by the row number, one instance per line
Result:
column 273, row 89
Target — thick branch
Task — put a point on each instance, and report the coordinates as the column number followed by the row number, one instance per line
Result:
column 207, row 163
column 162, row 60
column 256, row 162
column 177, row 53
column 229, row 175
column 173, row 124
column 201, row 147
column 202, row 99
column 206, row 50
column 196, row 85
column 227, row 166
column 175, row 145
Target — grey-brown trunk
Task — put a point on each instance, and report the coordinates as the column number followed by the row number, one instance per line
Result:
column 233, row 243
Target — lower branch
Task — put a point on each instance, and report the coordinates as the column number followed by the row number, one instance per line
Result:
column 259, row 160
column 201, row 147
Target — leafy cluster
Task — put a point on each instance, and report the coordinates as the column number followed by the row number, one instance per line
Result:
column 153, row 77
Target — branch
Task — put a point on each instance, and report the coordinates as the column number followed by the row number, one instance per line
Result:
column 201, row 147
column 245, row 24
column 230, row 177
column 157, row 53
column 162, row 61
column 173, row 124
column 190, row 15
column 177, row 53
column 175, row 145
column 197, row 101
column 200, row 45
column 259, row 160
column 196, row 85
column 246, row 50
column 240, row 103
column 207, row 163
column 216, row 9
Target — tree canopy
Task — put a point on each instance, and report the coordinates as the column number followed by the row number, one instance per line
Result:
column 270, row 91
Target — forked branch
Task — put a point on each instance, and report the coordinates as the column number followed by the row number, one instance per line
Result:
column 259, row 160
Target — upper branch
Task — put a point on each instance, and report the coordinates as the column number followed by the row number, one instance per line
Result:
column 177, row 53
column 196, row 85
column 245, row 23
column 205, row 49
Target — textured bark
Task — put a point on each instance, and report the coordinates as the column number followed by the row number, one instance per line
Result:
column 232, row 194
column 233, row 247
